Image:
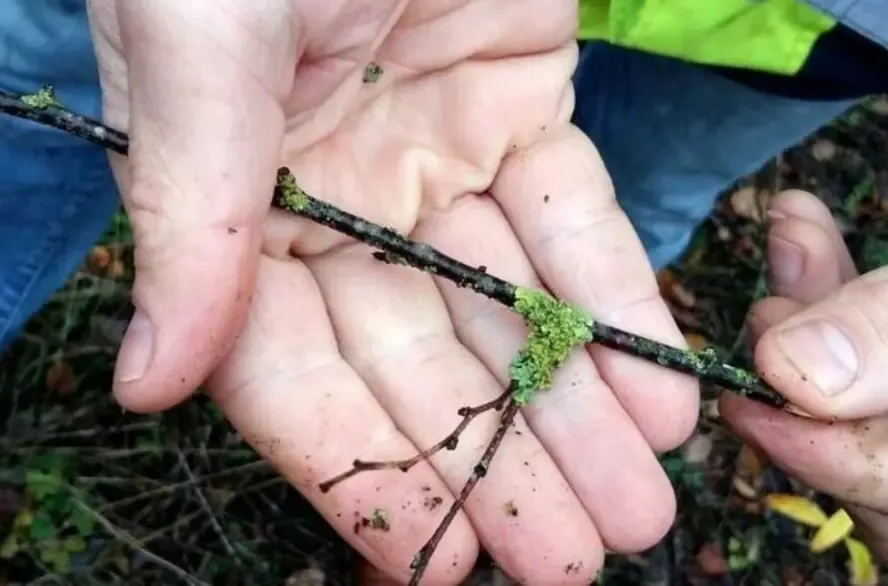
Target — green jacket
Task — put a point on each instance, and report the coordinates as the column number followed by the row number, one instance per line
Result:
column 774, row 36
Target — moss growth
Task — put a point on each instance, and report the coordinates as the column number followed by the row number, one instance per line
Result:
column 555, row 328
column 372, row 72
column 379, row 519
column 293, row 197
column 42, row 98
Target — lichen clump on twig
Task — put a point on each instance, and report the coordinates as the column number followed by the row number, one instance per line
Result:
column 555, row 328
column 292, row 197
column 42, row 98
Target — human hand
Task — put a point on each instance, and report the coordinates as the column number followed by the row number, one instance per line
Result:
column 464, row 142
column 842, row 375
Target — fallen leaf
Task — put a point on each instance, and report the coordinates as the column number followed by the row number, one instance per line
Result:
column 60, row 378
column 745, row 202
column 797, row 508
column 306, row 577
column 823, row 150
column 861, row 570
column 711, row 560
column 672, row 290
column 116, row 269
column 683, row 296
column 697, row 449
column 744, row 488
column 879, row 105
column 793, row 576
column 99, row 258
column 832, row 531
column 696, row 342
column 665, row 280
column 749, row 464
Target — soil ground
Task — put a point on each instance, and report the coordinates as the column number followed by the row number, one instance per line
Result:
column 92, row 495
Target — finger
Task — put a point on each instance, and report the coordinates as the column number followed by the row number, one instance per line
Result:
column 579, row 421
column 560, row 203
column 843, row 459
column 288, row 392
column 804, row 264
column 398, row 336
column 767, row 313
column 205, row 82
column 799, row 204
column 831, row 359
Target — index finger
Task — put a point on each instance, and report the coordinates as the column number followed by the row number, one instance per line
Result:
column 559, row 200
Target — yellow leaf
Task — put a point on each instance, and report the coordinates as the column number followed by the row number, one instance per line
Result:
column 861, row 570
column 836, row 528
column 797, row 508
column 10, row 547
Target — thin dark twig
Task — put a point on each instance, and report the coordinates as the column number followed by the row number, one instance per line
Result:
column 208, row 510
column 422, row 559
column 398, row 249
column 58, row 117
column 450, row 442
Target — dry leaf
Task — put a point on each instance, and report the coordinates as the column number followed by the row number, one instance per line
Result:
column 306, row 577
column 665, row 280
column 697, row 449
column 683, row 296
column 797, row 508
column 60, row 378
column 823, row 150
column 711, row 560
column 835, row 529
column 861, row 570
column 745, row 203
column 754, row 508
column 879, row 106
column 116, row 269
column 696, row 342
column 744, row 488
column 793, row 576
column 709, row 409
column 674, row 291
column 98, row 258
column 749, row 464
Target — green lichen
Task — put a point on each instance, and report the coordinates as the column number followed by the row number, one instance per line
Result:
column 379, row 519
column 293, row 197
column 555, row 328
column 42, row 98
column 372, row 72
column 703, row 360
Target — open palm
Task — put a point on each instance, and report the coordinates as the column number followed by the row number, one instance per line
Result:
column 317, row 352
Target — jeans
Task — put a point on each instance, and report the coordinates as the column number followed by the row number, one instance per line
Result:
column 672, row 135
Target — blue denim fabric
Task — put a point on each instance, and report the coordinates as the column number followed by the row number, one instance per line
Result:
column 56, row 191
column 672, row 135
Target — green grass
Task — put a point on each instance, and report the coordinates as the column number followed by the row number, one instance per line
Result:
column 90, row 494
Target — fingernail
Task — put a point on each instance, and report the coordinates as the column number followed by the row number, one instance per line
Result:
column 776, row 215
column 137, row 350
column 822, row 354
column 786, row 261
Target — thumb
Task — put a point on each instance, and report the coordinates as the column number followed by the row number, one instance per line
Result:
column 205, row 83
column 831, row 358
